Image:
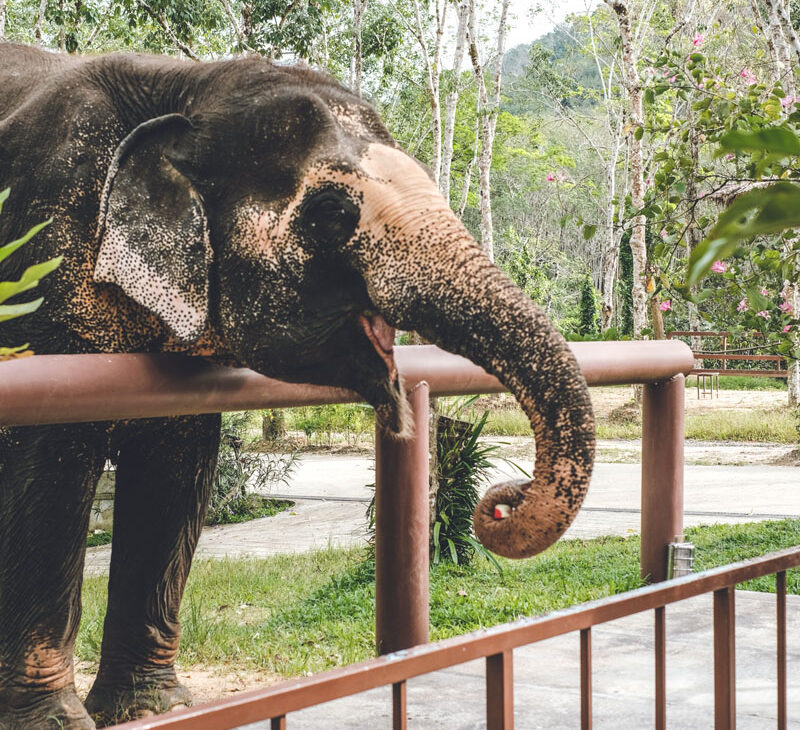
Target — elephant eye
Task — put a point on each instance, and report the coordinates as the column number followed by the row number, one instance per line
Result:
column 329, row 216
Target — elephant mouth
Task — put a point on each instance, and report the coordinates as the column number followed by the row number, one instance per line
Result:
column 381, row 336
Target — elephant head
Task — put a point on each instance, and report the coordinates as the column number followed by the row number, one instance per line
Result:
column 271, row 207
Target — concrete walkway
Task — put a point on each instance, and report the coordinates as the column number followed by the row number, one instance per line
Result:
column 546, row 688
column 331, row 498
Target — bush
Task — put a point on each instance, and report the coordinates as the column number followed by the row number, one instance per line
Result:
column 462, row 466
column 240, row 468
column 321, row 424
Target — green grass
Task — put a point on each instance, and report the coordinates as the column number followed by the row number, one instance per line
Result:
column 249, row 507
column 313, row 611
column 768, row 425
column 743, row 382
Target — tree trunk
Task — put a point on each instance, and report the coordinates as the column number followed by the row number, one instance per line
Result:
column 451, row 102
column 633, row 87
column 356, row 70
column 433, row 76
column 488, row 112
column 610, row 255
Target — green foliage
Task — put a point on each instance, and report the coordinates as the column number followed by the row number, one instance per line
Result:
column 462, row 465
column 748, row 254
column 588, row 323
column 626, row 285
column 242, row 473
column 98, row 537
column 323, row 424
column 30, row 279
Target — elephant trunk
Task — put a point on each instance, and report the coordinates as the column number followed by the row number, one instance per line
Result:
column 444, row 287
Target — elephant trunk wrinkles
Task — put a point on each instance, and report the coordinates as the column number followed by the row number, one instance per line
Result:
column 458, row 299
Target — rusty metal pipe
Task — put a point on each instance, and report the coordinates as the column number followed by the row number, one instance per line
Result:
column 662, row 473
column 75, row 388
column 401, row 532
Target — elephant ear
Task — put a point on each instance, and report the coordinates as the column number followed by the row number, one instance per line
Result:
column 153, row 231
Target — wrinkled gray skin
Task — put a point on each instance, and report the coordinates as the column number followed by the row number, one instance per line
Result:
column 256, row 215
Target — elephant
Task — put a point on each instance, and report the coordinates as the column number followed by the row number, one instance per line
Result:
column 257, row 215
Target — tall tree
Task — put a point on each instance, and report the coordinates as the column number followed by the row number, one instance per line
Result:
column 488, row 109
column 633, row 88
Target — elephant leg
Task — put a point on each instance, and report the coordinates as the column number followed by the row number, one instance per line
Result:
column 47, row 481
column 163, row 482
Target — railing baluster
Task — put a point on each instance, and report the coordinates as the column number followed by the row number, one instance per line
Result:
column 586, row 679
column 399, row 715
column 500, row 691
column 724, row 659
column 780, row 590
column 278, row 723
column 660, row 651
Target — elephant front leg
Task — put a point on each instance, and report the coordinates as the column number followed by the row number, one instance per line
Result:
column 47, row 481
column 163, row 482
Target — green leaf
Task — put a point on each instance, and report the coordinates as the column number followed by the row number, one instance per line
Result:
column 588, row 231
column 9, row 248
column 775, row 140
column 6, row 351
column 29, row 279
column 639, row 133
column 757, row 212
column 9, row 311
column 4, row 196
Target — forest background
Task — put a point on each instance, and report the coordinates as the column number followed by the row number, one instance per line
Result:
column 591, row 163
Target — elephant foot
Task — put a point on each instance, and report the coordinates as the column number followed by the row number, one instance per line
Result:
column 109, row 705
column 60, row 710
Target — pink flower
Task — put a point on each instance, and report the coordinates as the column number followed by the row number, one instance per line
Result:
column 785, row 307
column 671, row 79
column 701, row 195
column 730, row 156
column 550, row 177
column 666, row 305
column 764, row 314
column 749, row 77
column 648, row 182
column 787, row 101
column 787, row 328
column 663, row 233
column 764, row 292
column 697, row 40
column 719, row 267
column 742, row 305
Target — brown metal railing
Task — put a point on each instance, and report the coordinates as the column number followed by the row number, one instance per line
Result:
column 75, row 388
column 496, row 645
column 725, row 355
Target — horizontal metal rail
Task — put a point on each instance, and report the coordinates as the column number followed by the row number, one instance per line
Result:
column 74, row 388
column 297, row 694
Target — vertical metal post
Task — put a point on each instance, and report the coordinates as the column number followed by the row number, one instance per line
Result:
column 401, row 532
column 780, row 589
column 500, row 691
column 662, row 473
column 586, row 679
column 724, row 659
column 399, row 714
column 278, row 723
column 661, row 669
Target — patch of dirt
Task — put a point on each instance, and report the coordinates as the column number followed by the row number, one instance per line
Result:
column 205, row 683
column 608, row 398
column 790, row 459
